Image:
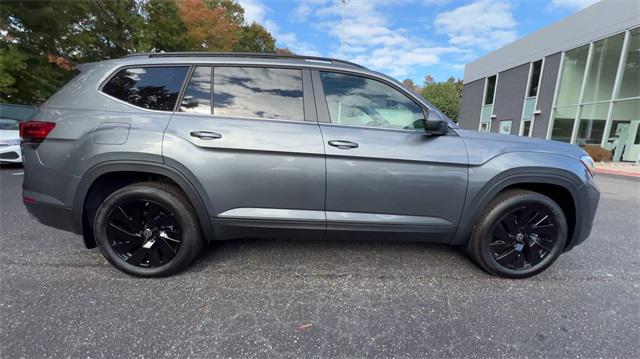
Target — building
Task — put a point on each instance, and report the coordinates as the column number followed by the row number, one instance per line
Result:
column 575, row 81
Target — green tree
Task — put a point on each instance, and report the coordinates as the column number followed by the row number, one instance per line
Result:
column 446, row 96
column 164, row 30
column 255, row 38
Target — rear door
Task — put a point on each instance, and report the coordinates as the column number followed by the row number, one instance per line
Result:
column 385, row 176
column 248, row 136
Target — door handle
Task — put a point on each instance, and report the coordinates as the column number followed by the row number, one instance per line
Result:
column 343, row 145
column 206, row 135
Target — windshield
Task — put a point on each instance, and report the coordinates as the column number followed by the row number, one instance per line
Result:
column 8, row 124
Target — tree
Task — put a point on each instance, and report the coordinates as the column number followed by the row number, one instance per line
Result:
column 208, row 28
column 410, row 84
column 255, row 38
column 164, row 29
column 284, row 51
column 446, row 96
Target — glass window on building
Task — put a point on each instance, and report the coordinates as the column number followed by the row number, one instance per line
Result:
column 535, row 78
column 491, row 90
column 630, row 84
column 526, row 128
column 505, row 127
column 603, row 68
column 592, row 121
column 563, row 120
column 622, row 114
column 573, row 68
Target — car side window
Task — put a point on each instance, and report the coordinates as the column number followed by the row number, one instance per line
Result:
column 360, row 101
column 258, row 92
column 153, row 88
column 197, row 96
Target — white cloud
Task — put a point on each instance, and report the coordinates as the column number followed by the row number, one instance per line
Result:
column 365, row 34
column 484, row 24
column 572, row 4
column 254, row 11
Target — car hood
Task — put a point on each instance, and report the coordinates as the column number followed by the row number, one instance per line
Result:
column 482, row 146
column 9, row 135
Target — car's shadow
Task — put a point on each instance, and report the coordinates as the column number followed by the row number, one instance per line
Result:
column 327, row 258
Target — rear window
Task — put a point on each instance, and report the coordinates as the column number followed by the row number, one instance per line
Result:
column 154, row 88
column 256, row 92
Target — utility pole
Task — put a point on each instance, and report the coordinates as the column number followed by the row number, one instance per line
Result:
column 344, row 7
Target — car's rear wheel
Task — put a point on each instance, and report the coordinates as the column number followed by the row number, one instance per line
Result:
column 519, row 234
column 148, row 229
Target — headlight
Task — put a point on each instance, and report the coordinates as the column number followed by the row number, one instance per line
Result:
column 10, row 142
column 587, row 161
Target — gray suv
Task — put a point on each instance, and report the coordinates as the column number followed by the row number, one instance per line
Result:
column 152, row 155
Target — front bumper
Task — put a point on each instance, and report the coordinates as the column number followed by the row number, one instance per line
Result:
column 588, row 205
column 10, row 154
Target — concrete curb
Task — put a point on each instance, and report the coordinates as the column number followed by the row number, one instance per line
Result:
column 617, row 173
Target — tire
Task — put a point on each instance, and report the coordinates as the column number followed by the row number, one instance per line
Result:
column 148, row 229
column 520, row 234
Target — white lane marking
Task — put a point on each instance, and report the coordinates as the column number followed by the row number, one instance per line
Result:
column 17, row 174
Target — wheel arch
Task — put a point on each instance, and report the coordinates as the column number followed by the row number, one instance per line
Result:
column 560, row 186
column 117, row 174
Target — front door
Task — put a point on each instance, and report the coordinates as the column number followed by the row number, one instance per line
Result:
column 254, row 149
column 385, row 176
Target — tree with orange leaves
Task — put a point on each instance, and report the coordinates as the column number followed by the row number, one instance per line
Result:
column 208, row 28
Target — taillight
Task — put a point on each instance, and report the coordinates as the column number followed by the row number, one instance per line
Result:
column 35, row 131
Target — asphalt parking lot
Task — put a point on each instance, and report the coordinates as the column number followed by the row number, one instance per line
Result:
column 259, row 298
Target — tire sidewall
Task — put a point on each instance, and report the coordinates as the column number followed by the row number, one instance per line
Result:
column 165, row 199
column 504, row 207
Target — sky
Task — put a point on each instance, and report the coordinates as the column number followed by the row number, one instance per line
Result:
column 405, row 38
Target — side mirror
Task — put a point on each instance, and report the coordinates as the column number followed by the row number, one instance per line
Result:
column 435, row 124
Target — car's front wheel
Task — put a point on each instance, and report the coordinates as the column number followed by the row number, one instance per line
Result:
column 148, row 229
column 519, row 234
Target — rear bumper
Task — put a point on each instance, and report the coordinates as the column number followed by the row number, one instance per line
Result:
column 51, row 215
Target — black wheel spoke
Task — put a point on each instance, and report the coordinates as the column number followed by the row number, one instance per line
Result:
column 501, row 233
column 500, row 246
column 507, row 258
column 510, row 223
column 518, row 262
column 548, row 229
column 138, row 256
column 144, row 233
column 165, row 248
column 125, row 247
column 533, row 255
column 117, row 232
column 154, row 256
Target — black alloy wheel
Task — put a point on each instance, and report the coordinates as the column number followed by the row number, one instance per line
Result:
column 519, row 234
column 524, row 237
column 144, row 233
column 148, row 229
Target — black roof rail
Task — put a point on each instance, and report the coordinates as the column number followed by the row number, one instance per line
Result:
column 247, row 55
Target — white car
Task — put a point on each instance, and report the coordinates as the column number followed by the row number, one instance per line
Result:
column 9, row 141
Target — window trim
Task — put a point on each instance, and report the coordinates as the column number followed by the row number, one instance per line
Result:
column 113, row 73
column 322, row 106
